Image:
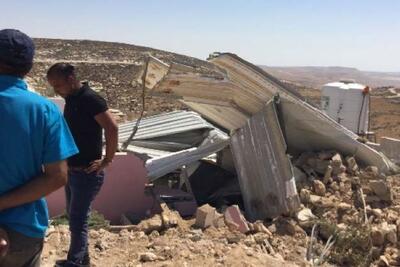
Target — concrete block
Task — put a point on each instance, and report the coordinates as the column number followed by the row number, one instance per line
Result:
column 205, row 216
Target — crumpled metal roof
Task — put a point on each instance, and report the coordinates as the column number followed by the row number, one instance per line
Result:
column 170, row 140
column 164, row 124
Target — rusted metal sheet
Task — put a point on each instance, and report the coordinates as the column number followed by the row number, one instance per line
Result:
column 263, row 167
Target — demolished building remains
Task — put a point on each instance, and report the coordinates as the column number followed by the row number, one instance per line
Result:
column 235, row 98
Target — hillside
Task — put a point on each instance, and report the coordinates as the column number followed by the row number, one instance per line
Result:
column 113, row 69
column 315, row 77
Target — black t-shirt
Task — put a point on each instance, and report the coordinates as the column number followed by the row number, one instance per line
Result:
column 79, row 112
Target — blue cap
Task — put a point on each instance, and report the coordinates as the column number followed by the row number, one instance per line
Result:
column 16, row 48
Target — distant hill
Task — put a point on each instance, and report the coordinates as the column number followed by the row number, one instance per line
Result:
column 315, row 77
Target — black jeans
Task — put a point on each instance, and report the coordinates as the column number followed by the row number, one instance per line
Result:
column 24, row 251
column 80, row 191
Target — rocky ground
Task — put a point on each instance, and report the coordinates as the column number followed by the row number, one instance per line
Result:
column 348, row 217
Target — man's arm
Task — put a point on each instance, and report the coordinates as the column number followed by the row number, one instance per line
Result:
column 107, row 122
column 54, row 177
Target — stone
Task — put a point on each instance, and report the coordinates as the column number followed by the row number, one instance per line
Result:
column 352, row 166
column 259, row 227
column 381, row 189
column 391, row 234
column 219, row 220
column 319, row 188
column 376, row 252
column 148, row 257
column 334, row 186
column 169, row 218
column 235, row 219
column 305, row 195
column 287, row 226
column 377, row 213
column 337, row 165
column 234, row 238
column 205, row 216
column 377, row 237
column 344, row 207
column 153, row 224
column 383, row 261
column 305, row 215
column 249, row 241
column 336, row 160
column 327, row 174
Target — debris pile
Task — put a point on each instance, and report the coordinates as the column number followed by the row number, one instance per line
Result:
column 353, row 208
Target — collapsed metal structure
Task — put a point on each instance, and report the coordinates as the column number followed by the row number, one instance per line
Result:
column 267, row 122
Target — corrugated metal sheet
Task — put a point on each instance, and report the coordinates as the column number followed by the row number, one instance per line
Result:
column 160, row 166
column 166, row 141
column 264, row 170
column 163, row 125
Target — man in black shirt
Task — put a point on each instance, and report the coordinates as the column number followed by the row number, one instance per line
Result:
column 87, row 115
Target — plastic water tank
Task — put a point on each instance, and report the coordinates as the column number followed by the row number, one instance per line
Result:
column 347, row 103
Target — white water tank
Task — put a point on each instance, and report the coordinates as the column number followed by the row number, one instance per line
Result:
column 347, row 103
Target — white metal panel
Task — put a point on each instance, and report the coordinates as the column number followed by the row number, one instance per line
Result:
column 346, row 104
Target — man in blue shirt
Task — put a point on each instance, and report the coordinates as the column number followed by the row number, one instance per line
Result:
column 34, row 145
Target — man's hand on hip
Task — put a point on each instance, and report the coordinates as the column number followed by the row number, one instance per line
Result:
column 97, row 165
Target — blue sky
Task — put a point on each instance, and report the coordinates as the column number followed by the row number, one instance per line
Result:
column 355, row 33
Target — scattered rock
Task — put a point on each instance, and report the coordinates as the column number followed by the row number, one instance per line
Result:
column 328, row 174
column 259, row 227
column 319, row 188
column 205, row 216
column 235, row 220
column 381, row 189
column 352, row 166
column 153, row 224
column 337, row 165
column 305, row 215
column 377, row 237
column 235, row 237
column 148, row 257
column 286, row 226
column 169, row 217
column 383, row 262
column 305, row 195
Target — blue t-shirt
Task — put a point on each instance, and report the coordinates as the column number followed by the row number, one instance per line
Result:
column 32, row 133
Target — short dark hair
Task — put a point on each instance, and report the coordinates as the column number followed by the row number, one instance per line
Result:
column 19, row 71
column 61, row 70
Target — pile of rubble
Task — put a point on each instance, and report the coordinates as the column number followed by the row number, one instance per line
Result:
column 349, row 204
column 349, row 217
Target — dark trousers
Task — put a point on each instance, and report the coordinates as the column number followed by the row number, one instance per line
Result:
column 24, row 251
column 80, row 191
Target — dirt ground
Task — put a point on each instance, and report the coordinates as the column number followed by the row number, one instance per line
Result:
column 182, row 246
